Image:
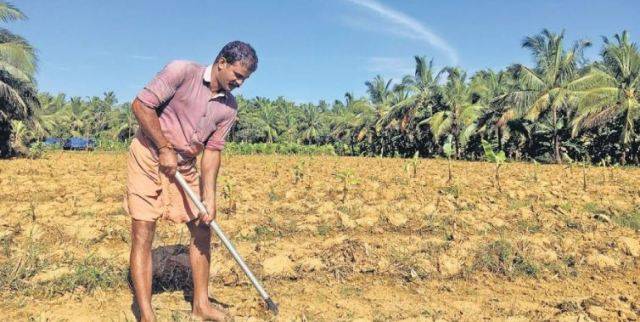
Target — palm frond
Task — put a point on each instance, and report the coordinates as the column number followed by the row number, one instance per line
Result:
column 8, row 12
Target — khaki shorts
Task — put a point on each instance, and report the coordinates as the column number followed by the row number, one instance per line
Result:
column 151, row 194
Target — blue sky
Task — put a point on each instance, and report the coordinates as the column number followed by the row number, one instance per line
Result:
column 308, row 49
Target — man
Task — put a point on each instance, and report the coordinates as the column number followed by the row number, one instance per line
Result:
column 185, row 110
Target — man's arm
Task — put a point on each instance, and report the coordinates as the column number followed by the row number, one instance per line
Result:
column 210, row 164
column 150, row 124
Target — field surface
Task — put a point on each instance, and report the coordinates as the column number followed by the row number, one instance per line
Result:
column 334, row 239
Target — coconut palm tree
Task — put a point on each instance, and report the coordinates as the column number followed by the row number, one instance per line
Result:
column 265, row 119
column 417, row 105
column 346, row 122
column 611, row 91
column 17, row 67
column 369, row 125
column 490, row 88
column 546, row 89
column 459, row 113
column 311, row 123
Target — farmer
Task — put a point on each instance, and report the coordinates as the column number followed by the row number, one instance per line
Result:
column 185, row 110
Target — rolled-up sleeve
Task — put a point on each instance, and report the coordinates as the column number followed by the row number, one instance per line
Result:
column 219, row 137
column 164, row 85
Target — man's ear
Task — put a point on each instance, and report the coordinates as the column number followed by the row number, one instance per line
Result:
column 222, row 63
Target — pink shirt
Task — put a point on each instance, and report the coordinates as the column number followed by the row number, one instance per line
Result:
column 191, row 116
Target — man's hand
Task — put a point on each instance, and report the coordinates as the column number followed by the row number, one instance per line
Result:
column 210, row 205
column 168, row 162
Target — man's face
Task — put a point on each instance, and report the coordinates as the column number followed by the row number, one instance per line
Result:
column 231, row 76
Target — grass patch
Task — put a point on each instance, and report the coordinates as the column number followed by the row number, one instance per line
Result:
column 528, row 226
column 90, row 274
column 593, row 208
column 500, row 258
column 350, row 291
column 323, row 229
column 452, row 190
column 515, row 204
column 630, row 220
column 264, row 233
column 17, row 269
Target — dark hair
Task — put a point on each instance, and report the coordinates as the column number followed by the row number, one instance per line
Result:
column 239, row 51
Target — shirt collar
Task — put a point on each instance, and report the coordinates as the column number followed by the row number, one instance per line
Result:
column 207, row 79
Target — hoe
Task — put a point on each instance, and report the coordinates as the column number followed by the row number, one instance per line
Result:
column 268, row 301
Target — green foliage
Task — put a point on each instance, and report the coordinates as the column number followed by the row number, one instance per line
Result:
column 277, row 148
column 492, row 156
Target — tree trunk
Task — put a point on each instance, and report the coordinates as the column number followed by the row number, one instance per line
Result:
column 623, row 157
column 556, row 139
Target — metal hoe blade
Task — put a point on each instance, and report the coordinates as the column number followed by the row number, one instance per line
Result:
column 225, row 241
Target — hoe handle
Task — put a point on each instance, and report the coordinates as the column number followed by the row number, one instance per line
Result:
column 270, row 304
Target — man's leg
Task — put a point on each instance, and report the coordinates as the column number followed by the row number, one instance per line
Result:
column 200, row 257
column 140, row 260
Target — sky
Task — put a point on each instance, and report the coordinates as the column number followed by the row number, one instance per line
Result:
column 308, row 50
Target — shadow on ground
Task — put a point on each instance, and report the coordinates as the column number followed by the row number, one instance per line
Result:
column 171, row 272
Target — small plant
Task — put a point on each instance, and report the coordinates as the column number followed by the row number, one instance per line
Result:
column 298, row 172
column 276, row 171
column 603, row 163
column 411, row 166
column 32, row 211
column 99, row 194
column 273, row 195
column 536, row 166
column 347, row 179
column 227, row 193
column 497, row 158
column 584, row 175
column 447, row 148
column 612, row 167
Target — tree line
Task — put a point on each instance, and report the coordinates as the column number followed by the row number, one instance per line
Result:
column 560, row 108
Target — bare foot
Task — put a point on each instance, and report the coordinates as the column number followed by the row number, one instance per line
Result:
column 208, row 313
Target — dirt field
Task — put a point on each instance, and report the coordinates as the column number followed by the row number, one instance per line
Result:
column 334, row 239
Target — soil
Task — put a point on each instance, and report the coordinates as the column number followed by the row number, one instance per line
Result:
column 398, row 248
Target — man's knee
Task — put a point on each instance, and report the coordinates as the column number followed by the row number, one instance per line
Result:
column 142, row 232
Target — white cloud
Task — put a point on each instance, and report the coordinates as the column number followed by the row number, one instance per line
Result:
column 405, row 26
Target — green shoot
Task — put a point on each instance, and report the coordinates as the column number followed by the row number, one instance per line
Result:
column 497, row 158
column 447, row 148
column 347, row 179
